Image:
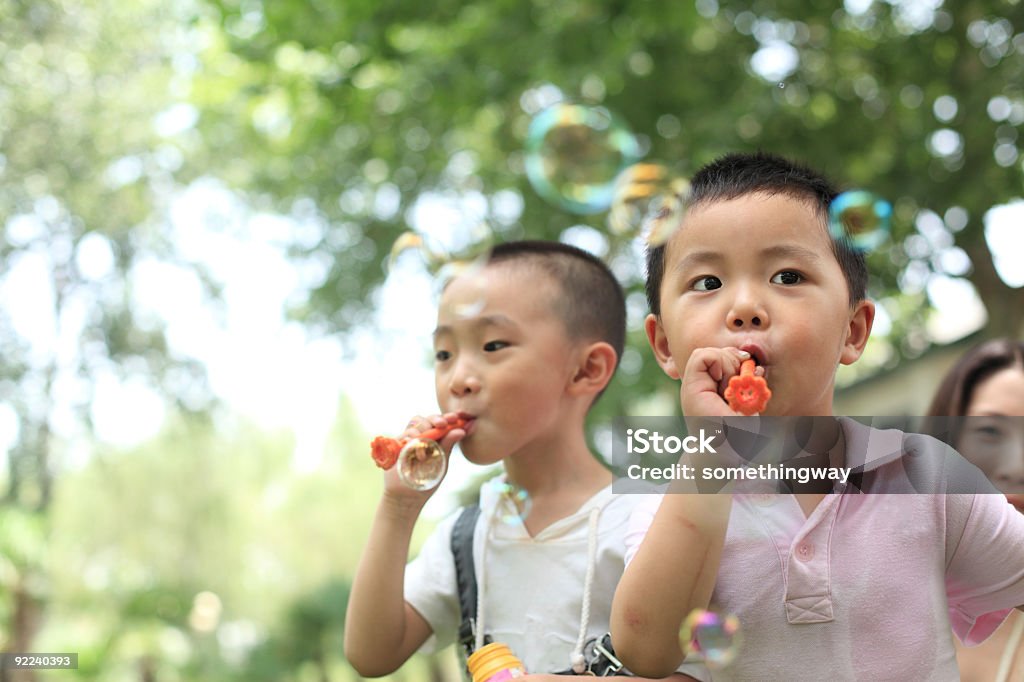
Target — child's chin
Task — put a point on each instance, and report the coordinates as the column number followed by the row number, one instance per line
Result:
column 1017, row 500
column 476, row 455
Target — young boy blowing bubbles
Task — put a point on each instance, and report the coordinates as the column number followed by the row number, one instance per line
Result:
column 826, row 586
column 524, row 347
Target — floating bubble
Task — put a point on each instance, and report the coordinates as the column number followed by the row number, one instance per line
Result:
column 574, row 153
column 649, row 200
column 460, row 241
column 714, row 636
column 860, row 218
column 408, row 242
column 465, row 307
column 514, row 503
column 441, row 248
column 422, row 464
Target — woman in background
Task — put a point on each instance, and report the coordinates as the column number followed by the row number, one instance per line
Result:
column 987, row 384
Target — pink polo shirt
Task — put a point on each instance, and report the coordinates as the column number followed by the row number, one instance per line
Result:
column 868, row 586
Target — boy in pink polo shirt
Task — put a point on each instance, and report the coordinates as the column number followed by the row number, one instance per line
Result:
column 825, row 585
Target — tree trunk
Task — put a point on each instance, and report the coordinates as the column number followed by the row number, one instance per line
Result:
column 321, row 666
column 147, row 669
column 26, row 619
column 1005, row 305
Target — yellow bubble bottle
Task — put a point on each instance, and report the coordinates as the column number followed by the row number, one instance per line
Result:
column 495, row 662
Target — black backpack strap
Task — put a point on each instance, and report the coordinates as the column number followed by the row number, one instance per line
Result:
column 465, row 575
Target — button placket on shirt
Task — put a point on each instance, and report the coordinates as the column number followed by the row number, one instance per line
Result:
column 805, row 551
column 808, row 598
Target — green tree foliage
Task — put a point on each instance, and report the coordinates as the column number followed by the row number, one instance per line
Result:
column 362, row 107
column 82, row 170
column 204, row 554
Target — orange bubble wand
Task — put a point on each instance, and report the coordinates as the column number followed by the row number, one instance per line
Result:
column 385, row 450
column 747, row 394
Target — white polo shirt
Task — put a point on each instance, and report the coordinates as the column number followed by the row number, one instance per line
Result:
column 534, row 590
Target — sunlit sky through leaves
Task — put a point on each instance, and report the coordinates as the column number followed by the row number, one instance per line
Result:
column 271, row 370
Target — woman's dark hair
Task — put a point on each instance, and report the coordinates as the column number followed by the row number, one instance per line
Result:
column 977, row 364
column 956, row 390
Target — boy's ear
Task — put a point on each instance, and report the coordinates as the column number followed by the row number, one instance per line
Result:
column 597, row 365
column 659, row 343
column 858, row 332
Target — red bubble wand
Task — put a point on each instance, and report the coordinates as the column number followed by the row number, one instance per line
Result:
column 385, row 450
column 747, row 394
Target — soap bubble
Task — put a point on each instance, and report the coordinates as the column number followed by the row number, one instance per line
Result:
column 422, row 464
column 514, row 502
column 412, row 242
column 648, row 200
column 714, row 636
column 574, row 153
column 860, row 218
column 465, row 307
column 442, row 247
column 462, row 241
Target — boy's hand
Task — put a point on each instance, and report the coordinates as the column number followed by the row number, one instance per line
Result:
column 705, row 379
column 393, row 487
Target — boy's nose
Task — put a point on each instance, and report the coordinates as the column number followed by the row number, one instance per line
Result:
column 463, row 381
column 747, row 313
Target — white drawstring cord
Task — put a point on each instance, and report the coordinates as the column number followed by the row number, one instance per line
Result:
column 577, row 658
column 579, row 663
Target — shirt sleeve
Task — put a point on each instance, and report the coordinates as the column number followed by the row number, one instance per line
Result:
column 430, row 586
column 985, row 576
column 639, row 521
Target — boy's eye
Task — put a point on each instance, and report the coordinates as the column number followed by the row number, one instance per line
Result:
column 787, row 277
column 492, row 346
column 442, row 355
column 707, row 283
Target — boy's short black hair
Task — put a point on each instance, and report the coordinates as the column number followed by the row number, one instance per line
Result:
column 736, row 175
column 591, row 302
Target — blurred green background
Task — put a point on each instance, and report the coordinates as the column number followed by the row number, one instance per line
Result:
column 197, row 198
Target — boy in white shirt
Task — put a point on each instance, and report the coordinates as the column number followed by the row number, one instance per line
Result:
column 523, row 349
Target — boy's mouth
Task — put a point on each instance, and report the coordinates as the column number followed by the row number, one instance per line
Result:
column 756, row 353
column 470, row 422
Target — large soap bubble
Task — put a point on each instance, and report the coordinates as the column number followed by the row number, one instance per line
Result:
column 648, row 200
column 860, row 218
column 715, row 636
column 575, row 152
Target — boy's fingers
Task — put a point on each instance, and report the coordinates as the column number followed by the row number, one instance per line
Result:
column 453, row 437
column 736, row 357
column 718, row 363
column 416, row 426
column 706, row 378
